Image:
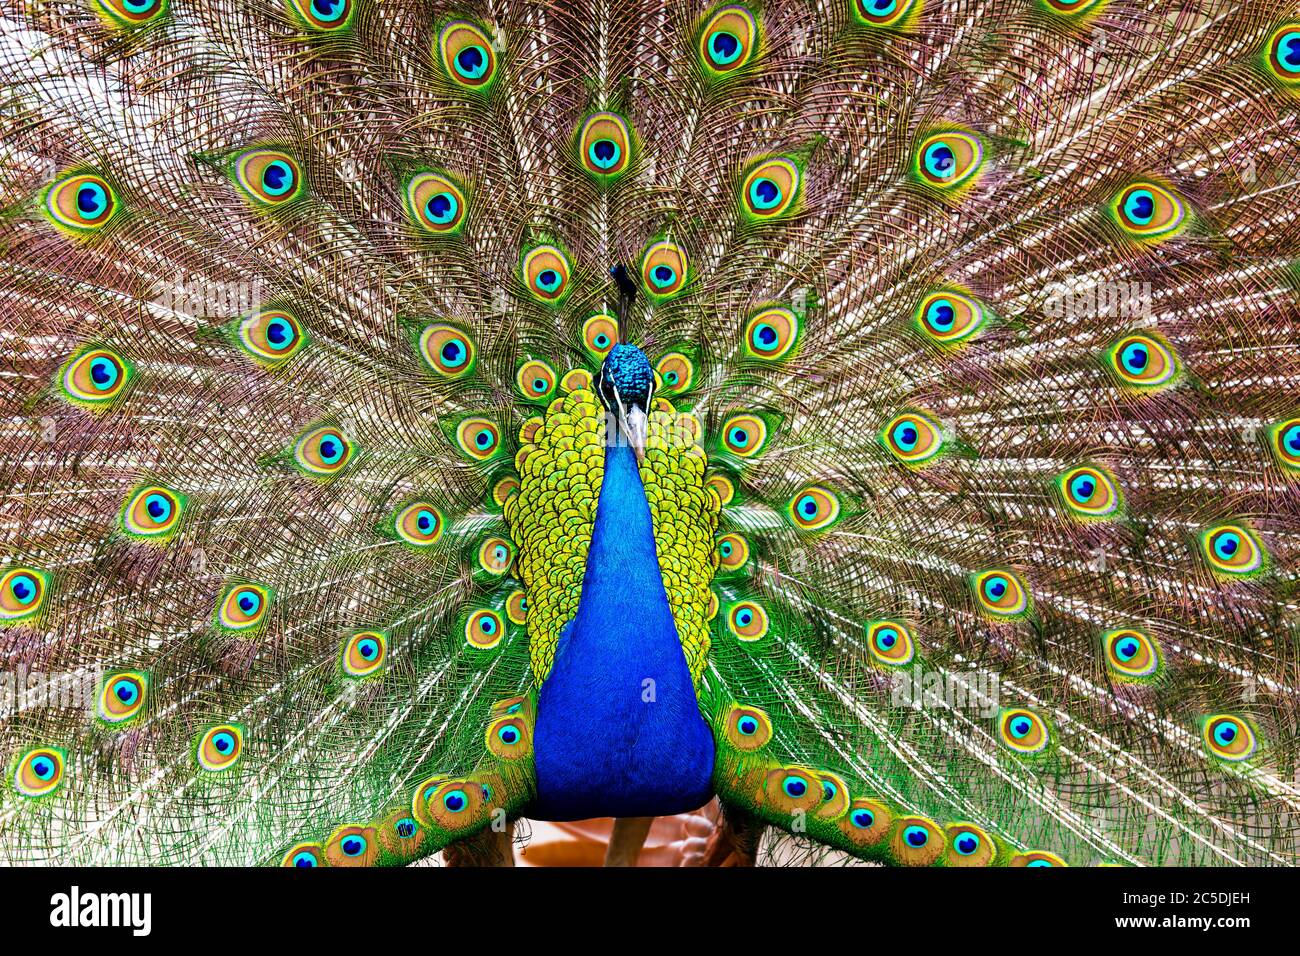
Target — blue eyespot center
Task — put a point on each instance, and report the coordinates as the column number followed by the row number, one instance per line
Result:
column 863, row 819
column 795, row 786
column 1140, row 206
column 724, row 47
column 441, row 208
column 304, row 859
column 103, row 373
column 472, row 62
column 455, row 801
column 967, row 844
column 354, row 845
column 223, row 743
column 1225, row 732
column 764, row 193
column 940, row 160
column 747, row 726
column 508, row 735
column 916, row 837
column 23, row 587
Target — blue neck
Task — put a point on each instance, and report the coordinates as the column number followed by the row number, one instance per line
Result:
column 619, row 732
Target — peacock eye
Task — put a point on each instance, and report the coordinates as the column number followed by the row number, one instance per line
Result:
column 22, row 593
column 770, row 188
column 478, row 438
column 219, row 748
column 467, row 56
column 304, row 856
column 969, row 845
column 814, row 508
column 122, row 698
column 517, row 607
column 39, row 772
column 132, row 13
column 890, row 643
column 434, row 203
column 364, row 653
column 1142, row 362
column 1001, row 594
column 794, row 786
column 882, row 13
column 535, row 380
column 483, row 629
column 748, row 728
column 771, row 334
column 1146, row 211
column 605, row 145
column 946, row 160
column 447, row 350
column 244, row 607
column 322, row 452
column 747, row 621
column 268, row 177
column 663, row 269
column 1131, row 654
column 728, row 40
column 270, row 336
column 862, row 819
column 1229, row 738
column 599, row 333
column 1283, row 54
column 323, row 15
column 1089, row 493
column 949, row 318
column 495, row 555
column 1023, row 731
column 80, row 204
column 912, row 438
column 455, row 800
column 916, row 836
column 966, row 844
column 545, row 271
column 419, row 524
column 744, row 435
column 95, row 378
column 677, row 373
column 151, row 513
column 733, row 552
column 1233, row 550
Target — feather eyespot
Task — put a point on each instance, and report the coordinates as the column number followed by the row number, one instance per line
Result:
column 600, row 334
column 814, row 508
column 271, row 336
column 1143, row 362
column 323, row 15
column 1228, row 738
column 605, row 145
column 467, row 56
column 1131, row 654
column 835, row 796
column 1285, row 444
column 918, row 842
column 744, row 435
column 509, row 738
column 676, row 373
column 304, row 856
column 949, row 318
column 1001, row 593
column 152, row 513
column 244, row 607
column 95, row 378
column 545, row 271
column 1283, row 54
column 747, row 621
column 968, row 845
column 517, row 607
column 1037, row 858
column 447, row 350
column 949, row 159
column 219, row 748
column 22, row 594
column 867, row 822
column 728, row 41
column 722, row 486
column 364, row 654
column 484, row 629
column 535, row 381
column 352, row 845
column 733, row 553
column 1233, row 550
column 1023, row 731
column 132, row 13
column 771, row 334
column 890, row 643
column 39, row 772
column 435, row 204
column 478, row 438
column 419, row 524
column 791, row 789
column 747, row 728
column 268, row 177
column 122, row 696
column 1070, row 8
column 883, row 13
column 664, row 269
column 913, row 438
column 1089, row 493
column 771, row 188
column 322, row 452
column 496, row 555
column 1147, row 211
column 80, row 204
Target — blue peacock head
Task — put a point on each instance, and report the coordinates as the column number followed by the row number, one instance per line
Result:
column 626, row 387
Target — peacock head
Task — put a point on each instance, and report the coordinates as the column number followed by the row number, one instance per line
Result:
column 626, row 387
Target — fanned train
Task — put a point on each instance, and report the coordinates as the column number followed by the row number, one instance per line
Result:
column 880, row 415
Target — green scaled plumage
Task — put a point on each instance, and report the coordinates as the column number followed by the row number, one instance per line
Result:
column 974, row 457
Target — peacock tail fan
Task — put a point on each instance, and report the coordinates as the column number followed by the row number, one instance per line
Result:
column 972, row 438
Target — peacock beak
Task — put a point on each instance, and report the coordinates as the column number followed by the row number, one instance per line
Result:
column 633, row 423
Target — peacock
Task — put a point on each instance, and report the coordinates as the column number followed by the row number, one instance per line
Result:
column 425, row 416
